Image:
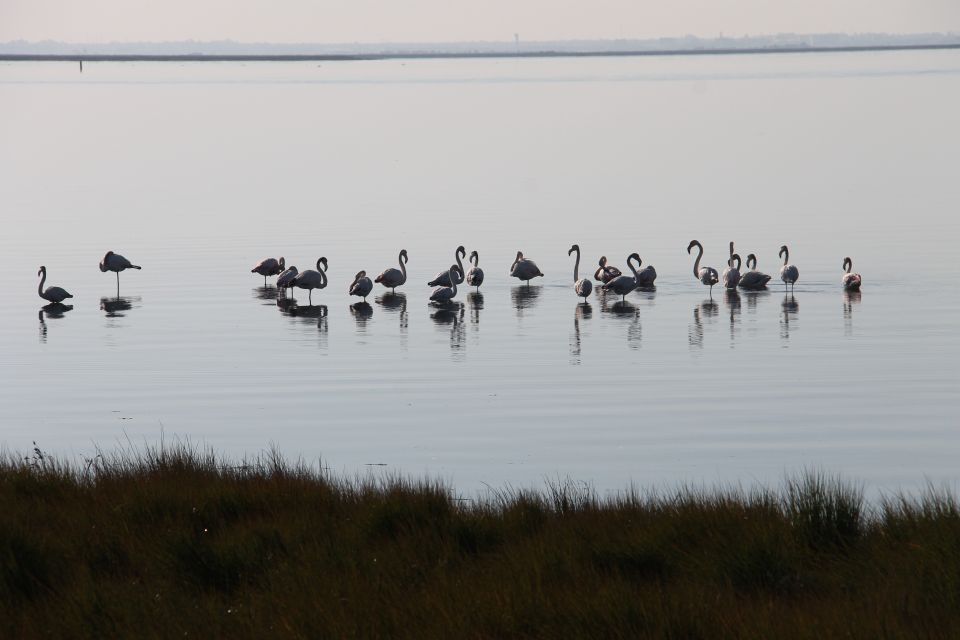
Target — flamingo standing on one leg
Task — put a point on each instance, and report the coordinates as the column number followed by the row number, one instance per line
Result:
column 581, row 286
column 788, row 273
column 474, row 276
column 311, row 279
column 392, row 277
column 851, row 281
column 361, row 285
column 706, row 275
column 523, row 269
column 269, row 267
column 622, row 285
column 116, row 263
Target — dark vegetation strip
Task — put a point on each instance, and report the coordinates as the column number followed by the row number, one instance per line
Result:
column 333, row 57
column 174, row 542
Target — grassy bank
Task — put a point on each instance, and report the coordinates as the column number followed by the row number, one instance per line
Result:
column 176, row 543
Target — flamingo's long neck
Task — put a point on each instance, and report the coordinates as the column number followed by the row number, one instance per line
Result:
column 459, row 262
column 43, row 278
column 576, row 267
column 630, row 260
column 517, row 259
column 786, row 256
column 849, row 265
column 403, row 269
column 453, row 282
column 696, row 263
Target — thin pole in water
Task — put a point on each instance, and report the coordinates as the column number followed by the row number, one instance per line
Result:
column 81, row 66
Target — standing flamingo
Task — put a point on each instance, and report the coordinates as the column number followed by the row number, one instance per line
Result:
column 731, row 275
column 361, row 285
column 446, row 294
column 285, row 279
column 116, row 263
column 606, row 273
column 442, row 279
column 851, row 281
column 706, row 275
column 475, row 274
column 581, row 286
column 646, row 276
column 269, row 267
column 523, row 269
column 622, row 285
column 393, row 278
column 788, row 273
column 753, row 280
column 52, row 294
column 311, row 279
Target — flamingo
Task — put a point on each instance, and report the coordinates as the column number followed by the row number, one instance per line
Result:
column 731, row 275
column 269, row 267
column 706, row 275
column 446, row 294
column 361, row 285
column 393, row 278
column 442, row 279
column 52, row 294
column 285, row 279
column 311, row 279
column 604, row 273
column 622, row 285
column 851, row 281
column 788, row 273
column 646, row 276
column 523, row 269
column 116, row 263
column 475, row 274
column 581, row 286
column 753, row 280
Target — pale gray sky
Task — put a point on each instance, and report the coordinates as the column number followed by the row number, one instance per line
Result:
column 456, row 20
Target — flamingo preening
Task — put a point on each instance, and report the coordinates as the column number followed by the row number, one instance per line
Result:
column 523, row 269
column 605, row 273
column 474, row 276
column 788, row 273
column 706, row 275
column 581, row 286
column 392, row 277
column 269, row 267
column 851, row 281
column 51, row 294
column 361, row 285
column 311, row 279
column 285, row 279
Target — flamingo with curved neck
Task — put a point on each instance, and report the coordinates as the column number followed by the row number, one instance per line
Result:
column 524, row 269
column 788, row 273
column 442, row 279
column 605, row 273
column 361, row 285
column 392, row 277
column 581, row 286
column 52, row 294
column 622, row 285
column 753, row 280
column 851, row 281
column 706, row 275
column 731, row 275
column 312, row 279
column 446, row 294
column 474, row 276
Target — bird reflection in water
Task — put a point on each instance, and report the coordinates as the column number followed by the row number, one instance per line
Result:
column 362, row 312
column 396, row 303
column 753, row 297
column 850, row 298
column 53, row 310
column 524, row 297
column 582, row 311
column 626, row 311
column 268, row 293
column 706, row 311
column 790, row 308
column 732, row 299
column 451, row 313
column 116, row 307
column 476, row 305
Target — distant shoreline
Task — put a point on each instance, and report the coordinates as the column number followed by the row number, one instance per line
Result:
column 56, row 57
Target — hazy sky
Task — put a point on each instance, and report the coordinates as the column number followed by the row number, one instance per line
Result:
column 438, row 20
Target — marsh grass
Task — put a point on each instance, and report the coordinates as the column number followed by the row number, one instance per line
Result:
column 175, row 542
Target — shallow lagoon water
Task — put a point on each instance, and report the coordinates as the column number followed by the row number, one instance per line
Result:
column 197, row 171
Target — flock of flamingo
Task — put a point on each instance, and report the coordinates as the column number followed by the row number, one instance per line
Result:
column 445, row 283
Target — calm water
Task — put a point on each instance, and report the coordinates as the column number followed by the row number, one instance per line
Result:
column 198, row 171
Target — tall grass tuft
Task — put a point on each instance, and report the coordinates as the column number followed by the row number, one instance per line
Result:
column 175, row 541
